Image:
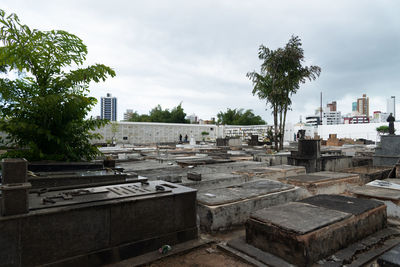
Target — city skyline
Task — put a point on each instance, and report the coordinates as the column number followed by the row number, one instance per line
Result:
column 167, row 53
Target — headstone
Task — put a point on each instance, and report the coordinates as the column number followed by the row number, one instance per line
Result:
column 192, row 141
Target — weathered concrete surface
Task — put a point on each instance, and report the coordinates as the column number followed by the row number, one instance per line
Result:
column 302, row 233
column 324, row 182
column 391, row 197
column 388, row 152
column 224, row 208
column 272, row 159
column 390, row 258
column 288, row 170
column 261, row 173
column 92, row 232
column 216, row 180
column 61, row 179
column 336, row 163
column 370, row 173
column 361, row 253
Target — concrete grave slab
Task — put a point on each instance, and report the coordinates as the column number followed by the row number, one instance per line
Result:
column 391, row 197
column 341, row 203
column 215, row 180
column 361, row 253
column 390, row 258
column 224, row 208
column 302, row 233
column 297, row 217
column 370, row 173
column 324, row 182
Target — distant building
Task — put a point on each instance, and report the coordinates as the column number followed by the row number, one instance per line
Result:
column 363, row 105
column 354, row 106
column 391, row 106
column 313, row 120
column 331, row 106
column 379, row 116
column 108, row 108
column 193, row 119
column 356, row 119
column 128, row 114
column 331, row 117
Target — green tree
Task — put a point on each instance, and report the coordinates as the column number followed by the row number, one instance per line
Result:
column 238, row 117
column 44, row 108
column 157, row 114
column 384, row 129
column 280, row 77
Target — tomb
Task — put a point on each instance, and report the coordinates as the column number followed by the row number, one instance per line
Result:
column 369, row 173
column 306, row 231
column 92, row 226
column 323, row 182
column 225, row 208
column 310, row 156
column 386, row 191
column 387, row 153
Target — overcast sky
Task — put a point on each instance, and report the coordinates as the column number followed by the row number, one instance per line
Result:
column 198, row 52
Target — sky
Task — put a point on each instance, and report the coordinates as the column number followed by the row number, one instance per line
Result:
column 198, row 52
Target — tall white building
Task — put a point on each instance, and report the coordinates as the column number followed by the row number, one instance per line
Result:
column 108, row 108
column 331, row 117
column 391, row 106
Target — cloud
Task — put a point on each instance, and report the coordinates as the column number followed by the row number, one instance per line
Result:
column 165, row 52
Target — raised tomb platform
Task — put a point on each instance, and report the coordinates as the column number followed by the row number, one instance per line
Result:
column 324, row 182
column 225, row 208
column 306, row 231
column 388, row 152
column 90, row 226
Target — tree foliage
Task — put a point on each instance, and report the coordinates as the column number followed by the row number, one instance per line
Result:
column 157, row 114
column 43, row 109
column 384, row 129
column 239, row 117
column 280, row 77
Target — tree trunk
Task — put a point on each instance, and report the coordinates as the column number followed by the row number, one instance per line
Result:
column 275, row 107
column 283, row 125
column 280, row 128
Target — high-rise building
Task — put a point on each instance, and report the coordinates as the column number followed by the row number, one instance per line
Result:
column 391, row 106
column 128, row 114
column 108, row 108
column 354, row 106
column 363, row 105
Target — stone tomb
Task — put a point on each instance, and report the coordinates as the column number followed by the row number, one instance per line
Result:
column 369, row 173
column 324, row 182
column 388, row 152
column 224, row 208
column 304, row 232
column 386, row 191
column 98, row 225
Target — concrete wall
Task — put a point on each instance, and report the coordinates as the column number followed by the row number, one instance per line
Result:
column 146, row 133
column 152, row 132
column 354, row 131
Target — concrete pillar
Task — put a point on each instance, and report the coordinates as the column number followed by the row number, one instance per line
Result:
column 15, row 187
